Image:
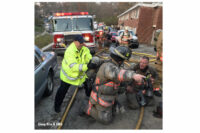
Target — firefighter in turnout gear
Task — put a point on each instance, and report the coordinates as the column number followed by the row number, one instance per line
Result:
column 145, row 69
column 75, row 63
column 159, row 61
column 125, row 37
column 156, row 34
column 107, row 82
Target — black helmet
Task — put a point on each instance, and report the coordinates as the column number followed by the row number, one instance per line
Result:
column 120, row 53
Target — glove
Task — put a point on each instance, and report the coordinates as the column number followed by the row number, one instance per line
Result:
column 91, row 65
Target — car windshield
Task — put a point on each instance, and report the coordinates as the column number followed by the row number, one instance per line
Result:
column 61, row 25
column 100, row 28
column 132, row 33
column 120, row 33
column 81, row 24
column 114, row 34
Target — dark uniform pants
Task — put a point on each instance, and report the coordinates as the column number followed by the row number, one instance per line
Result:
column 61, row 92
column 63, row 89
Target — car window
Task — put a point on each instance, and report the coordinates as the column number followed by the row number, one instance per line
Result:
column 114, row 34
column 39, row 56
column 132, row 33
column 37, row 62
column 120, row 33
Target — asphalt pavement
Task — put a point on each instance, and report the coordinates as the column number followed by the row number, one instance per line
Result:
column 47, row 118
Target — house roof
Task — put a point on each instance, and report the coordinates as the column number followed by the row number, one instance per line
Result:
column 140, row 4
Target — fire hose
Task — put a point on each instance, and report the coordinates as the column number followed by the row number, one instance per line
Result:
column 141, row 54
column 140, row 118
column 67, row 109
column 75, row 92
column 132, row 61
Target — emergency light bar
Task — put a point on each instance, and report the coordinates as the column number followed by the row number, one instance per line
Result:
column 70, row 13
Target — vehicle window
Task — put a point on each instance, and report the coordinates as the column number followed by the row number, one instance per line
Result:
column 120, row 33
column 100, row 28
column 132, row 33
column 114, row 34
column 81, row 24
column 60, row 25
column 37, row 63
column 39, row 56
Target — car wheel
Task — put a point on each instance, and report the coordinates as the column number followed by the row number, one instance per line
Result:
column 50, row 85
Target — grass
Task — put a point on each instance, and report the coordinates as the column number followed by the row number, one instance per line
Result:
column 44, row 40
column 38, row 29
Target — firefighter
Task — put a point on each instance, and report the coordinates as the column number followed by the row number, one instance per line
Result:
column 107, row 37
column 125, row 37
column 102, row 98
column 158, row 63
column 156, row 34
column 145, row 69
column 74, row 65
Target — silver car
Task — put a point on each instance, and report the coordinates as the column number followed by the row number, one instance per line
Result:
column 45, row 69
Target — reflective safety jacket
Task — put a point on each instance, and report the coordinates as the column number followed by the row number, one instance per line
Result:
column 125, row 36
column 74, row 65
column 107, row 84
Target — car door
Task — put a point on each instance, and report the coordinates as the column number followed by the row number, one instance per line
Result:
column 39, row 78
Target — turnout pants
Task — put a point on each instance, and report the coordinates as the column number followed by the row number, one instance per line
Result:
column 132, row 101
column 100, row 113
column 158, row 82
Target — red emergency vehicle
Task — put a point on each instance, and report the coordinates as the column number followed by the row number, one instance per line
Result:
column 67, row 25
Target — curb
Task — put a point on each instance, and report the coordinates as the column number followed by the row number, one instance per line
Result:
column 47, row 47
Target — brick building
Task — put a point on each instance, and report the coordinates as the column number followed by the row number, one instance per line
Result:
column 143, row 19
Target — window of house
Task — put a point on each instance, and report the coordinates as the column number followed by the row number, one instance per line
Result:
column 135, row 13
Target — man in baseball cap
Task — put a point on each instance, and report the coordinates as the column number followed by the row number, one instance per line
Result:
column 79, row 41
column 74, row 66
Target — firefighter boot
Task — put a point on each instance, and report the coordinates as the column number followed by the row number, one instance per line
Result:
column 157, row 93
column 57, row 109
column 158, row 113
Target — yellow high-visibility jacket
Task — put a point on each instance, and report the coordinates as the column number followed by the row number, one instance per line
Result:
column 74, row 65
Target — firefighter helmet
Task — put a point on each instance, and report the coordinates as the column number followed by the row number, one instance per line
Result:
column 120, row 53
